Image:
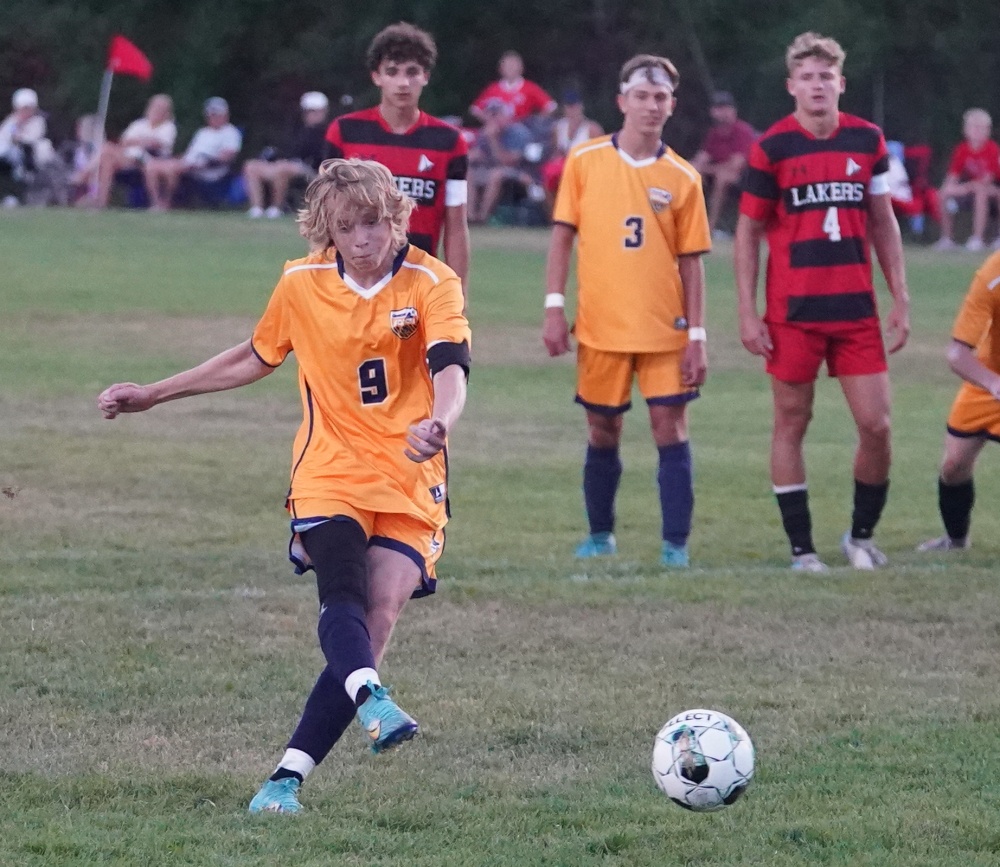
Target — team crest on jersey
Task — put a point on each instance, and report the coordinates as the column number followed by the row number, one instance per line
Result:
column 681, row 323
column 659, row 199
column 403, row 322
column 438, row 493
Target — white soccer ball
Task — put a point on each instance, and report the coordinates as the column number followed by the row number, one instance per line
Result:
column 703, row 760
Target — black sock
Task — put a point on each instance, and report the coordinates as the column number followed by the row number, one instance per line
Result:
column 363, row 694
column 794, row 507
column 869, row 500
column 284, row 773
column 955, row 503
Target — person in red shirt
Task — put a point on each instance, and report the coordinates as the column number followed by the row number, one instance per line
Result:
column 524, row 97
column 427, row 157
column 816, row 186
column 723, row 153
column 972, row 175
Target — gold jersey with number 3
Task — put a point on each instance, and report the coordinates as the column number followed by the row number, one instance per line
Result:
column 364, row 378
column 633, row 218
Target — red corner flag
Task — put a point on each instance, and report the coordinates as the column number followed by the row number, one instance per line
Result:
column 126, row 59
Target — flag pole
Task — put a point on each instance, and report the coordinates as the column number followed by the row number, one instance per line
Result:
column 102, row 116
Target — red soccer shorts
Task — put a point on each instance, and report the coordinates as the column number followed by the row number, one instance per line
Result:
column 854, row 349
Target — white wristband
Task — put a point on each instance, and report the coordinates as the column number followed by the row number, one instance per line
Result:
column 697, row 333
column 555, row 299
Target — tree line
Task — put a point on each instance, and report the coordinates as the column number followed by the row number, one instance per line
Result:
column 912, row 66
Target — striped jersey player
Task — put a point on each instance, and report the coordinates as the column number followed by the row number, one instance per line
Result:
column 816, row 189
column 428, row 157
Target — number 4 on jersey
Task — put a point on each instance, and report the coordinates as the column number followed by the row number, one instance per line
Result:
column 831, row 224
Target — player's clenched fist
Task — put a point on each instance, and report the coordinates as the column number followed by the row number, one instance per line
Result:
column 426, row 439
column 124, row 397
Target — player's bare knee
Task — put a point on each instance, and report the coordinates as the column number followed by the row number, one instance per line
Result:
column 604, row 432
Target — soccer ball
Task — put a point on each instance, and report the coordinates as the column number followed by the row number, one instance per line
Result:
column 702, row 760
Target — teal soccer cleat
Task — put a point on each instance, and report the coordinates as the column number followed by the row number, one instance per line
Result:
column 674, row 556
column 277, row 796
column 597, row 545
column 383, row 721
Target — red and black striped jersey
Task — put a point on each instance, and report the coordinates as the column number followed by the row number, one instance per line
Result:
column 429, row 162
column 813, row 197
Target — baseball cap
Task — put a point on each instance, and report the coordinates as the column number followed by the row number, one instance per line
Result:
column 571, row 97
column 216, row 105
column 24, row 97
column 723, row 97
column 313, row 101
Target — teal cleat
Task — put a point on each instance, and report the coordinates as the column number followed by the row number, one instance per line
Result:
column 597, row 545
column 383, row 721
column 674, row 556
column 277, row 796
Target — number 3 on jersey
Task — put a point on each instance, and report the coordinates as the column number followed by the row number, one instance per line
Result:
column 372, row 381
column 635, row 237
column 831, row 224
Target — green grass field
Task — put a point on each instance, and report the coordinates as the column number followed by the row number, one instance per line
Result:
column 155, row 648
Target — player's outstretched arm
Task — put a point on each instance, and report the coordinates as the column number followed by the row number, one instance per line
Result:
column 888, row 243
column 428, row 436
column 746, row 264
column 230, row 369
column 555, row 328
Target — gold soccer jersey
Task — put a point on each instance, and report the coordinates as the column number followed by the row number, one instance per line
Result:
column 364, row 378
column 634, row 218
column 978, row 320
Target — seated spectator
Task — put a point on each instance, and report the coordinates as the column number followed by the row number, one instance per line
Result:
column 910, row 200
column 524, row 98
column 917, row 159
column 25, row 152
column 207, row 159
column 81, row 157
column 150, row 137
column 573, row 128
column 722, row 156
column 496, row 157
column 971, row 179
column 300, row 158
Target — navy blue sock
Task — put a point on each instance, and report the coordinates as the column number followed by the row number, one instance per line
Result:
column 344, row 638
column 676, row 481
column 602, row 471
column 327, row 714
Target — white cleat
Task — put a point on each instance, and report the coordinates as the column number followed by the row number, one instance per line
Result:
column 809, row 563
column 944, row 543
column 862, row 553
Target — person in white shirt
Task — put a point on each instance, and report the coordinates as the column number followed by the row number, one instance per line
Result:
column 208, row 158
column 152, row 136
column 24, row 147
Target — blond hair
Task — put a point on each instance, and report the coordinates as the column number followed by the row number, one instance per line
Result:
column 810, row 44
column 342, row 191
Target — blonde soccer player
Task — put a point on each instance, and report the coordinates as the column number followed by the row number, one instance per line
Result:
column 382, row 345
